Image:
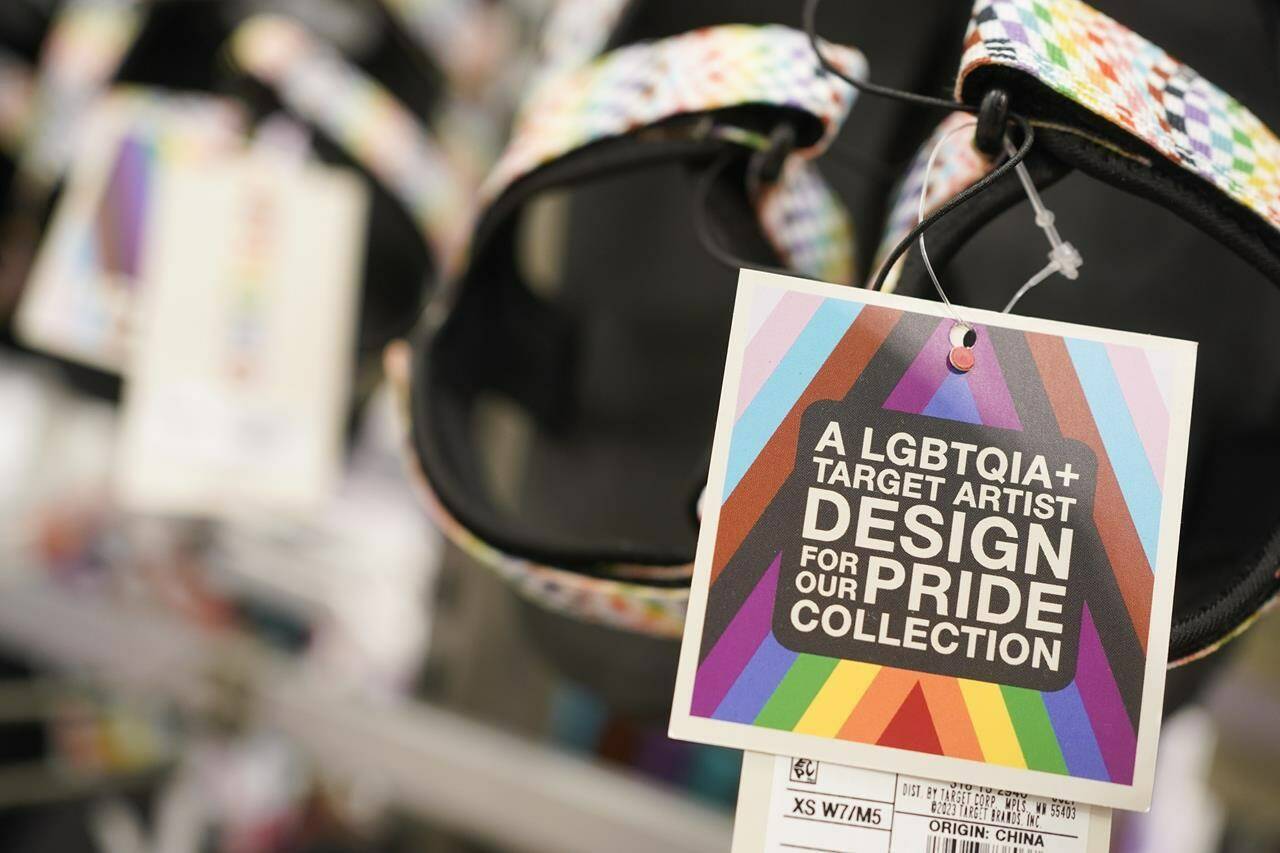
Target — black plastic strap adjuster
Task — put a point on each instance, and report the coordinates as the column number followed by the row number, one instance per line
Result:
column 993, row 119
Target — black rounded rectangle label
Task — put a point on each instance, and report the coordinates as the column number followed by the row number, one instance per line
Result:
column 939, row 546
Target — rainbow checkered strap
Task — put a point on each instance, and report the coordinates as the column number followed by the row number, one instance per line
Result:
column 83, row 50
column 628, row 97
column 376, row 130
column 642, row 86
column 470, row 39
column 1138, row 91
column 1132, row 85
column 576, row 32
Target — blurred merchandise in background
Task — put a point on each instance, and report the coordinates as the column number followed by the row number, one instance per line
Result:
column 226, row 623
column 220, row 590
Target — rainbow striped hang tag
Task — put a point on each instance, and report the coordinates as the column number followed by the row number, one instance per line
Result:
column 955, row 575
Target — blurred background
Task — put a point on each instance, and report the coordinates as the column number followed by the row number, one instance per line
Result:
column 225, row 623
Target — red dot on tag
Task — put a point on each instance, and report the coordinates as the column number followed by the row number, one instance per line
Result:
column 961, row 359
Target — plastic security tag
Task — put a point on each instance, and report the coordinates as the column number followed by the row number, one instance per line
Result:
column 787, row 804
column 960, row 573
column 237, row 392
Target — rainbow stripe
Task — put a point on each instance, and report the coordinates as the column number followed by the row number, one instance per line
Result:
column 786, row 383
column 1120, row 436
column 1145, row 399
column 455, row 33
column 803, row 350
column 777, row 332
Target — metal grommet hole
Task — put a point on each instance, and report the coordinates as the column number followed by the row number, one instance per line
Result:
column 962, row 337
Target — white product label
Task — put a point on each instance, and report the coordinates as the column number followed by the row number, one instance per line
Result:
column 238, row 388
column 799, row 804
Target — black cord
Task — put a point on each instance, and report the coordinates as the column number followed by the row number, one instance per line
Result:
column 960, row 198
column 810, row 26
column 811, row 30
column 704, row 228
column 703, row 224
column 709, row 242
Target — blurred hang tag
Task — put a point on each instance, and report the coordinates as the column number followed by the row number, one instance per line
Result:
column 238, row 388
column 787, row 804
column 79, row 301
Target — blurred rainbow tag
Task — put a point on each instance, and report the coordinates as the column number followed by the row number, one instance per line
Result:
column 238, row 387
column 953, row 574
column 78, row 303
